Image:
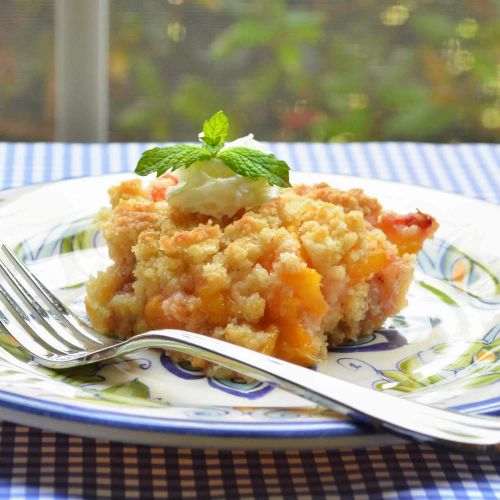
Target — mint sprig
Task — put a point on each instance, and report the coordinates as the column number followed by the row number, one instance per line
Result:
column 243, row 161
column 254, row 164
column 214, row 132
column 160, row 160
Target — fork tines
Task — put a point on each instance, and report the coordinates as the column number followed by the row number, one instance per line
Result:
column 45, row 330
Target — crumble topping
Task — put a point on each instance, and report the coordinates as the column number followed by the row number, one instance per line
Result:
column 305, row 270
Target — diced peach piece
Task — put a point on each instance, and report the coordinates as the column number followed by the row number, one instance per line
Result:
column 158, row 193
column 269, row 346
column 408, row 232
column 295, row 343
column 155, row 315
column 161, row 185
column 266, row 260
column 301, row 293
column 215, row 304
column 306, row 286
column 372, row 263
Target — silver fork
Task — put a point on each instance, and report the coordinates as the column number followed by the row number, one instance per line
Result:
column 58, row 339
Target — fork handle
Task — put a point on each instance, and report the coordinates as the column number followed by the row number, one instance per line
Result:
column 401, row 416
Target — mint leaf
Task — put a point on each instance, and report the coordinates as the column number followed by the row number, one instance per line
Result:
column 215, row 131
column 160, row 160
column 246, row 162
column 255, row 164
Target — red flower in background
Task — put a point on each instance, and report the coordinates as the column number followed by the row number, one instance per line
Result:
column 299, row 119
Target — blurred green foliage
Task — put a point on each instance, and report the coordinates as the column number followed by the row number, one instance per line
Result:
column 303, row 70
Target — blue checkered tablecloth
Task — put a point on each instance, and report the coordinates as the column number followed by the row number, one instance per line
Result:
column 40, row 464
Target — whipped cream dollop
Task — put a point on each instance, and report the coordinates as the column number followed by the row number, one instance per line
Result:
column 210, row 187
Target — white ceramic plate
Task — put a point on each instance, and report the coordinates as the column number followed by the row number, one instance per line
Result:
column 443, row 349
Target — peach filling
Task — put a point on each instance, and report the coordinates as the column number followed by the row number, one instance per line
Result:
column 302, row 293
column 155, row 315
column 369, row 265
column 408, row 232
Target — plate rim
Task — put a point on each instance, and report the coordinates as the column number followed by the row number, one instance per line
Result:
column 220, row 428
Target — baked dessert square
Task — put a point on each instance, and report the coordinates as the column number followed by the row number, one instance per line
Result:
column 307, row 268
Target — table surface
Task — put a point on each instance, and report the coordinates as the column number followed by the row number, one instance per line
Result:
column 40, row 464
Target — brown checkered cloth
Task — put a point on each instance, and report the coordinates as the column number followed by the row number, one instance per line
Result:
column 36, row 464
